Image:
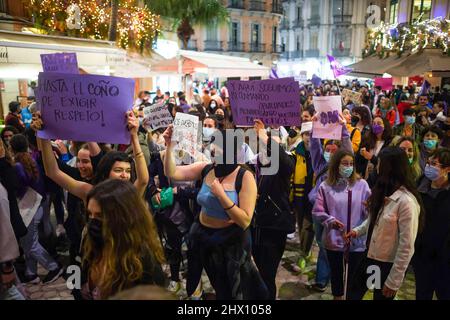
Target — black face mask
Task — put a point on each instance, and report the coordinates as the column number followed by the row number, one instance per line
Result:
column 220, row 117
column 354, row 120
column 94, row 228
column 292, row 133
column 222, row 170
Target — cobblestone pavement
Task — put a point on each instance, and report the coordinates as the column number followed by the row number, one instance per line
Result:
column 291, row 285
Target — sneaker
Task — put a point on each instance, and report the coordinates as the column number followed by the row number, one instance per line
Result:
column 291, row 236
column 60, row 231
column 174, row 286
column 317, row 287
column 32, row 279
column 53, row 275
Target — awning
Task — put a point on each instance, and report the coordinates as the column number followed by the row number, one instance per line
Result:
column 374, row 66
column 214, row 65
column 430, row 60
column 21, row 51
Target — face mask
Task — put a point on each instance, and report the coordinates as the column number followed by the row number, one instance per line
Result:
column 354, row 120
column 213, row 106
column 208, row 133
column 327, row 156
column 410, row 120
column 141, row 120
column 292, row 133
column 410, row 160
column 430, row 144
column 377, row 129
column 432, row 173
column 345, row 172
column 94, row 228
column 220, row 117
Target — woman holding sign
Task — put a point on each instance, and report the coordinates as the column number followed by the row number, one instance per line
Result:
column 221, row 235
column 118, row 169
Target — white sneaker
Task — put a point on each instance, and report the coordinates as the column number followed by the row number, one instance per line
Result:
column 60, row 230
column 174, row 286
column 291, row 236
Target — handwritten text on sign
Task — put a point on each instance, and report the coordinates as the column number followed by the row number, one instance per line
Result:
column 85, row 107
column 60, row 62
column 328, row 109
column 156, row 116
column 275, row 102
column 185, row 133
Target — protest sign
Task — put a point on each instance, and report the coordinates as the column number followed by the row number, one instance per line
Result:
column 275, row 102
column 327, row 126
column 185, row 132
column 84, row 107
column 156, row 116
column 384, row 83
column 355, row 97
column 60, row 62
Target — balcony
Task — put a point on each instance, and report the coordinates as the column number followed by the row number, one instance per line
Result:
column 234, row 46
column 284, row 25
column 341, row 53
column 257, row 6
column 257, row 47
column 342, row 19
column 236, row 4
column 213, row 45
column 314, row 20
column 192, row 45
column 277, row 8
column 298, row 23
column 277, row 49
column 296, row 54
column 312, row 53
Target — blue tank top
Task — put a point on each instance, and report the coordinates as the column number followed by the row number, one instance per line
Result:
column 211, row 205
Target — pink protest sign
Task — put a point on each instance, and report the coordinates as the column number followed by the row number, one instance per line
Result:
column 384, row 83
column 327, row 126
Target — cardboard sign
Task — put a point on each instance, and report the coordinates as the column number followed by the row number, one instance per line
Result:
column 355, row 97
column 60, row 62
column 327, row 126
column 84, row 107
column 185, row 133
column 275, row 102
column 156, row 116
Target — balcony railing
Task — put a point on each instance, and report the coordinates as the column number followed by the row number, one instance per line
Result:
column 277, row 48
column 192, row 45
column 236, row 4
column 314, row 20
column 312, row 53
column 257, row 6
column 298, row 23
column 342, row 19
column 257, row 47
column 213, row 45
column 234, row 46
column 341, row 53
column 296, row 54
column 277, row 8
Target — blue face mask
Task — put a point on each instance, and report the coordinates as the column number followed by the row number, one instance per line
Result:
column 327, row 156
column 345, row 172
column 410, row 120
column 431, row 172
column 430, row 144
column 208, row 133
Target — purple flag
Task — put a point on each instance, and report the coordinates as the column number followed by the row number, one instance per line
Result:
column 425, row 87
column 84, row 107
column 316, row 81
column 338, row 69
column 60, row 62
column 275, row 102
column 273, row 74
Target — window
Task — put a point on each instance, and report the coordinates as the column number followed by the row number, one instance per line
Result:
column 283, row 44
column 274, row 37
column 314, row 41
column 3, row 6
column 298, row 43
column 299, row 13
column 211, row 32
column 234, row 33
column 315, row 8
column 255, row 34
column 421, row 8
column 393, row 12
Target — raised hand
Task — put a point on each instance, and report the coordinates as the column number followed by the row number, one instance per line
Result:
column 36, row 122
column 167, row 135
column 132, row 122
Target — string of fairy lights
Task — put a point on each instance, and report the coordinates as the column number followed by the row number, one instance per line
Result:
column 397, row 39
column 137, row 27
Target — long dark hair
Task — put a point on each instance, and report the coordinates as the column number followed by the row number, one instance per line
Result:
column 394, row 172
column 369, row 140
column 105, row 165
column 19, row 146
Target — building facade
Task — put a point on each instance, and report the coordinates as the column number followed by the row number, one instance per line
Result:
column 252, row 33
column 401, row 11
column 311, row 29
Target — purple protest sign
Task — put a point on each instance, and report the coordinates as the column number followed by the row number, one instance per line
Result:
column 65, row 62
column 275, row 102
column 84, row 107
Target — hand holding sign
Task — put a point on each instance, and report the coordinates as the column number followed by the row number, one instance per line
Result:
column 132, row 123
column 167, row 135
column 329, row 117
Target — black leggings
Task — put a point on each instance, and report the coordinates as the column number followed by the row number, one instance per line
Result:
column 267, row 248
column 336, row 261
column 173, row 249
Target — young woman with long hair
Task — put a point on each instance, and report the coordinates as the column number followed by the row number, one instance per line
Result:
column 409, row 145
column 395, row 209
column 122, row 248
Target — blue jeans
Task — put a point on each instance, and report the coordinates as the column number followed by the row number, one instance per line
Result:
column 323, row 268
column 11, row 294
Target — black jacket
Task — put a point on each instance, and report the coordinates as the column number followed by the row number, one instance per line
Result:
column 273, row 210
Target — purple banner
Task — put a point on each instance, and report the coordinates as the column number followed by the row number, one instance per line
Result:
column 85, row 107
column 60, row 62
column 337, row 68
column 275, row 102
